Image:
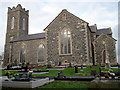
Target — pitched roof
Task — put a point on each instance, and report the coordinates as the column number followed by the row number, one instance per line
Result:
column 93, row 28
column 30, row 37
column 104, row 38
column 106, row 31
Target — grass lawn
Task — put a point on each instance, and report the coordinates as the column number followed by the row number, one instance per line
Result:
column 72, row 84
column 69, row 84
column 66, row 72
column 79, row 84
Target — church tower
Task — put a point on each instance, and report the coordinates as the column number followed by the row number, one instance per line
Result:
column 17, row 25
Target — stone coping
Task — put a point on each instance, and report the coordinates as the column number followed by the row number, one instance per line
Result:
column 26, row 84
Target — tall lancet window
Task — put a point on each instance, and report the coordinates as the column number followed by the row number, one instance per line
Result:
column 22, row 54
column 65, row 42
column 23, row 23
column 41, row 53
column 13, row 23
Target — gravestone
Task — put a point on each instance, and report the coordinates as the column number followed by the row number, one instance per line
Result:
column 49, row 65
column 8, row 67
column 76, row 69
column 60, row 74
column 81, row 67
column 70, row 65
column 93, row 72
column 107, row 64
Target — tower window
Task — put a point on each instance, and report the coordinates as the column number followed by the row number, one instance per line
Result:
column 41, row 53
column 12, row 22
column 65, row 41
column 23, row 23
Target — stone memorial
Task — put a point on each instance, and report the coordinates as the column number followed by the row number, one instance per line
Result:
column 93, row 72
column 76, row 69
column 107, row 64
column 60, row 74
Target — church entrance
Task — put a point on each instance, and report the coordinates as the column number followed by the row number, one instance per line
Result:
column 103, row 56
column 60, row 63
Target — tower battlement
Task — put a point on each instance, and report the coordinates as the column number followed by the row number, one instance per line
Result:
column 18, row 7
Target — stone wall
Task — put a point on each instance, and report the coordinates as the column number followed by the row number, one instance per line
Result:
column 18, row 13
column 104, row 42
column 31, row 48
column 78, row 30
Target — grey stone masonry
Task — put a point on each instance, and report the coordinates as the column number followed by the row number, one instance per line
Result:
column 15, row 28
column 84, row 44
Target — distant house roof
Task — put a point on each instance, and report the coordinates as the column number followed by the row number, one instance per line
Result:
column 30, row 37
column 93, row 28
column 106, row 31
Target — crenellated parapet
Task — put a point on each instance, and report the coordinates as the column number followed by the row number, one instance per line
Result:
column 17, row 8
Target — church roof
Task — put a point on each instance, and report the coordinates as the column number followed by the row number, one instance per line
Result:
column 106, row 31
column 30, row 37
column 93, row 28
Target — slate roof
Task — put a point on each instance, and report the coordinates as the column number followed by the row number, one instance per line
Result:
column 30, row 37
column 106, row 31
column 93, row 28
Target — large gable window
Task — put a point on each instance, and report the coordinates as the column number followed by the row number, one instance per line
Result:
column 65, row 41
column 41, row 53
column 12, row 22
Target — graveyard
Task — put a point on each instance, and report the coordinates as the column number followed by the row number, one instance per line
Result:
column 62, row 77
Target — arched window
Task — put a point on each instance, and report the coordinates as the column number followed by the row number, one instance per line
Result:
column 41, row 53
column 65, row 41
column 23, row 23
column 22, row 54
column 12, row 22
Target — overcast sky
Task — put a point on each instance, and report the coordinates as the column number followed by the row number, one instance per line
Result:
column 42, row 12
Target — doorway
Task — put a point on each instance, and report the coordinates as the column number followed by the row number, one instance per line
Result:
column 103, row 56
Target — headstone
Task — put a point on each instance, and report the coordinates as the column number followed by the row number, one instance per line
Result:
column 93, row 72
column 22, row 66
column 76, row 69
column 30, row 73
column 49, row 65
column 60, row 74
column 107, row 64
column 100, row 69
column 8, row 67
column 26, row 68
column 70, row 65
column 81, row 66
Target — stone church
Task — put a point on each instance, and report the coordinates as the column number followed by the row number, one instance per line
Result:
column 67, row 39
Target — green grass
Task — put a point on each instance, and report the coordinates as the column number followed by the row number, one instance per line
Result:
column 71, row 72
column 67, row 71
column 67, row 84
column 0, row 73
column 72, row 84
column 79, row 84
column 41, row 68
